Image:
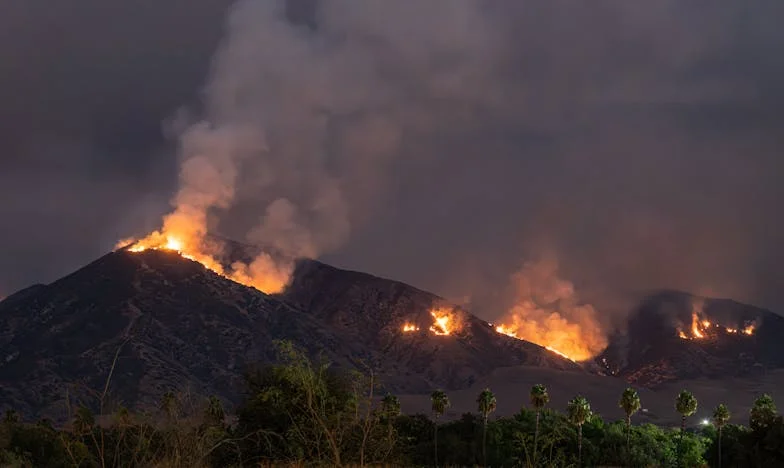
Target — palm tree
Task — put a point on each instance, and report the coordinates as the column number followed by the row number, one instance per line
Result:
column 539, row 399
column 721, row 415
column 486, row 403
column 579, row 412
column 686, row 405
column 390, row 410
column 440, row 404
column 630, row 403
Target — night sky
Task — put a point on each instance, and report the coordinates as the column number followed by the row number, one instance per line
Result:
column 638, row 143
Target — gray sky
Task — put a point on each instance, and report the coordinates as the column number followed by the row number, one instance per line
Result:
column 639, row 143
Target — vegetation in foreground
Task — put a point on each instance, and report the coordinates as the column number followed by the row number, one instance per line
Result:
column 305, row 413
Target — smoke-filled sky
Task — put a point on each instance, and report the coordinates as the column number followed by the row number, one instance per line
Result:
column 442, row 143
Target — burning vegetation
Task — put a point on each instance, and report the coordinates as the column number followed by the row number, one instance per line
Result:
column 547, row 312
column 446, row 321
column 703, row 328
column 185, row 237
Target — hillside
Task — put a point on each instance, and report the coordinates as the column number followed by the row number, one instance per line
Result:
column 673, row 336
column 175, row 325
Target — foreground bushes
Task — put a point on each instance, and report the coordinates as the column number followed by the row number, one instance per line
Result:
column 304, row 412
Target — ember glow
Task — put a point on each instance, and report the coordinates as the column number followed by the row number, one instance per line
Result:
column 702, row 328
column 187, row 237
column 547, row 311
column 410, row 327
column 507, row 331
column 446, row 321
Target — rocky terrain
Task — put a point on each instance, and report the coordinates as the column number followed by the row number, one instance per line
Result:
column 167, row 323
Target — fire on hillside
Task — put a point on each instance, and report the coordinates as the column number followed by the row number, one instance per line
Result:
column 703, row 328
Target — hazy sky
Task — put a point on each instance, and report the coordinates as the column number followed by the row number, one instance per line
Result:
column 639, row 143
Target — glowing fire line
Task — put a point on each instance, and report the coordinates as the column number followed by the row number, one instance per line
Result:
column 702, row 328
column 507, row 331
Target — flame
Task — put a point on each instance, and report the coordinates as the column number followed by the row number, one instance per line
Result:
column 695, row 326
column 547, row 311
column 184, row 236
column 503, row 329
column 409, row 327
column 701, row 326
column 445, row 321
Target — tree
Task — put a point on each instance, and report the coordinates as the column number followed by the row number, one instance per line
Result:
column 579, row 412
column 539, row 399
column 390, row 406
column 214, row 415
column 686, row 405
column 721, row 416
column 486, row 404
column 763, row 413
column 440, row 402
column 630, row 403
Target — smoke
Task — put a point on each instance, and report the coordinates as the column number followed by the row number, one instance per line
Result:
column 300, row 118
column 547, row 310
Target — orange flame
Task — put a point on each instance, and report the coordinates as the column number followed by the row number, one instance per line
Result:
column 701, row 326
column 188, row 240
column 505, row 330
column 446, row 321
column 409, row 327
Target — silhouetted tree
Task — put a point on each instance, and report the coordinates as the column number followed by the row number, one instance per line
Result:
column 686, row 405
column 763, row 413
column 486, row 404
column 721, row 416
column 630, row 403
column 440, row 402
column 579, row 412
column 539, row 399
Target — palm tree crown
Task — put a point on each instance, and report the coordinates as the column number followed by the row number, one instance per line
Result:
column 721, row 416
column 440, row 402
column 539, row 396
column 686, row 403
column 630, row 402
column 486, row 402
column 579, row 411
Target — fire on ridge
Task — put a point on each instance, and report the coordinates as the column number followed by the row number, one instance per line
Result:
column 702, row 328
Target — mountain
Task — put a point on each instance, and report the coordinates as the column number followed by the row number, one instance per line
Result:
column 674, row 336
column 158, row 322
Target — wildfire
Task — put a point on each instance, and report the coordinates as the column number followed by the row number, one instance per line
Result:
column 701, row 327
column 445, row 321
column 409, row 327
column 505, row 330
column 191, row 243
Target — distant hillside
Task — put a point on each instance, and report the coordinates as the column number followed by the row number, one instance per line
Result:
column 674, row 335
column 175, row 324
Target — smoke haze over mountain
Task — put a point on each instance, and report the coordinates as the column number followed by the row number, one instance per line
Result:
column 442, row 143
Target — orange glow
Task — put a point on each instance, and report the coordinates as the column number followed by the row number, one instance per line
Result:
column 506, row 330
column 186, row 236
column 446, row 321
column 410, row 327
column 701, row 327
column 695, row 326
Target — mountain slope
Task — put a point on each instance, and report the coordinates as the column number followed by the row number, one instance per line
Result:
column 173, row 323
column 731, row 339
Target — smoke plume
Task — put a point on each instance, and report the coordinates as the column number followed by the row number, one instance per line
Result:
column 546, row 310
